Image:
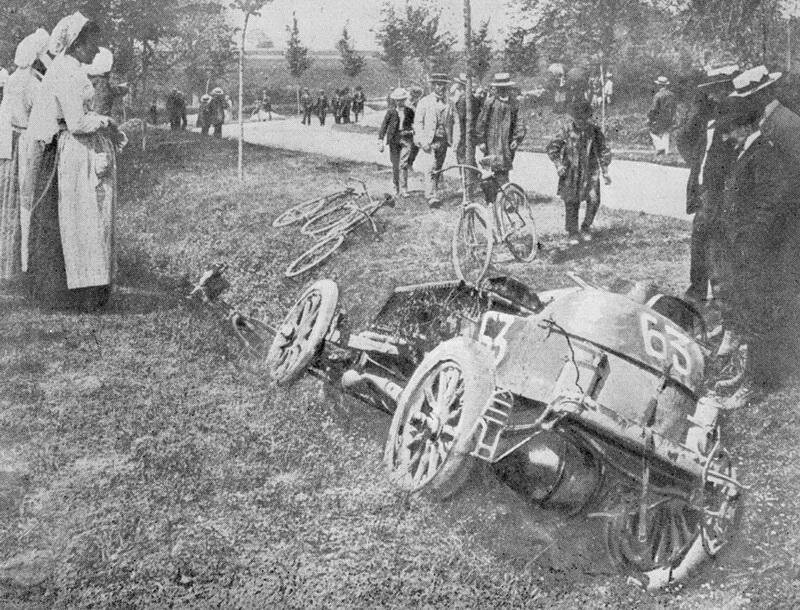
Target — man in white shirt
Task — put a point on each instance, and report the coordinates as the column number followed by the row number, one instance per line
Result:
column 430, row 133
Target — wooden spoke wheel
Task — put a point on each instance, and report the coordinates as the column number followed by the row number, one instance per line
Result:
column 434, row 426
column 301, row 335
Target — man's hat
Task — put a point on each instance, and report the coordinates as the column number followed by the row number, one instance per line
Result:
column 461, row 79
column 580, row 109
column 438, row 77
column 205, row 97
column 662, row 80
column 399, row 94
column 752, row 80
column 503, row 79
column 217, row 91
column 721, row 73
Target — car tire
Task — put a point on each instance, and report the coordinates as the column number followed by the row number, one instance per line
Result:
column 458, row 378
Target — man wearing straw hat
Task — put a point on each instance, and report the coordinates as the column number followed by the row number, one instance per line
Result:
column 661, row 115
column 758, row 205
column 397, row 130
column 430, row 133
column 499, row 130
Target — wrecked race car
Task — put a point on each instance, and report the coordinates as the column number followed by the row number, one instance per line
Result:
column 581, row 400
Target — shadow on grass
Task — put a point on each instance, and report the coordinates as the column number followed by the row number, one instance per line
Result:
column 605, row 242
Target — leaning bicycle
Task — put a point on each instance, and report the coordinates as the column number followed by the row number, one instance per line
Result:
column 504, row 217
column 331, row 229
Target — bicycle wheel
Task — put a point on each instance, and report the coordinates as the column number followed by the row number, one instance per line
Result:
column 314, row 255
column 517, row 227
column 329, row 218
column 473, row 241
column 307, row 209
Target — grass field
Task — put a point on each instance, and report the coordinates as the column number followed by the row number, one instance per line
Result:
column 145, row 463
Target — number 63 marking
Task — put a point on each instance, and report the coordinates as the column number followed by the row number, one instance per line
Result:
column 665, row 343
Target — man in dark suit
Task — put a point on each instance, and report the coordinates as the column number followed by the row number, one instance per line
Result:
column 756, row 206
column 322, row 106
column 708, row 157
column 397, row 130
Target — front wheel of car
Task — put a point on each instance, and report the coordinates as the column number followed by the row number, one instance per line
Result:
column 435, row 425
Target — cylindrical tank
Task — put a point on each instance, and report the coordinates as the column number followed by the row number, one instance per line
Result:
column 552, row 472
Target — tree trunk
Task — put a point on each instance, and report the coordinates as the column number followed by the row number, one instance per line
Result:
column 470, row 158
column 240, row 162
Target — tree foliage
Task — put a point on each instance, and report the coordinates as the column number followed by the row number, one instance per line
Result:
column 296, row 54
column 482, row 51
column 391, row 37
column 352, row 61
column 520, row 53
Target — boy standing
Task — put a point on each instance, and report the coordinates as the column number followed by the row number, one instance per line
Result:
column 580, row 154
column 398, row 129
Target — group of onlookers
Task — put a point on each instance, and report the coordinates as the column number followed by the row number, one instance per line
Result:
column 58, row 146
column 743, row 149
column 577, row 84
column 343, row 105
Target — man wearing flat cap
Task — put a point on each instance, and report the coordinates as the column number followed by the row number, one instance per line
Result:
column 708, row 156
column 430, row 133
column 397, row 130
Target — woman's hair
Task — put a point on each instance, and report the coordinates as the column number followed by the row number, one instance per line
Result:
column 90, row 31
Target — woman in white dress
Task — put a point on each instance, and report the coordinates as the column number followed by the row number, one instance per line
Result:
column 20, row 90
column 73, row 266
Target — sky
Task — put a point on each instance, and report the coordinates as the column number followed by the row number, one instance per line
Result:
column 321, row 21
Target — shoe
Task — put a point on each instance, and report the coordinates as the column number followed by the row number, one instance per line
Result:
column 586, row 235
column 405, row 193
column 730, row 343
column 574, row 239
column 745, row 396
column 434, row 202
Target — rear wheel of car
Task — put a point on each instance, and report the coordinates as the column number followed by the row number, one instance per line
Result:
column 435, row 425
column 302, row 332
column 678, row 536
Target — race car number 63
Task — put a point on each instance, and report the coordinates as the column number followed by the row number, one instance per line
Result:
column 665, row 343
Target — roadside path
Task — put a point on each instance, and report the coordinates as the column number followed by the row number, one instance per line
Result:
column 647, row 187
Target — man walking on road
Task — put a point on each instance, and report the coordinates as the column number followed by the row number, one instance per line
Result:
column 307, row 104
column 321, row 106
column 430, row 134
column 499, row 130
column 398, row 130
column 661, row 116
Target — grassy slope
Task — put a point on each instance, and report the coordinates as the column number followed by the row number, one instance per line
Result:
column 159, row 467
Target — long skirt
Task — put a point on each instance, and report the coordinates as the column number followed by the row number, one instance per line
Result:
column 10, row 228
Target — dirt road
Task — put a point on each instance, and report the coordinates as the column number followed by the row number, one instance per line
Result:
column 655, row 189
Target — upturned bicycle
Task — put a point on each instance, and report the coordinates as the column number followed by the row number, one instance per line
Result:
column 505, row 216
column 325, row 206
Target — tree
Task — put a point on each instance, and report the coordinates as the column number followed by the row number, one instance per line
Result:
column 296, row 54
column 429, row 45
column 520, row 53
column 249, row 8
column 392, row 40
column 352, row 62
column 481, row 51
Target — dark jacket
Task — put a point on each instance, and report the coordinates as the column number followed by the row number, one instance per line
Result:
column 756, row 200
column 584, row 156
column 498, row 125
column 391, row 128
column 661, row 115
column 321, row 105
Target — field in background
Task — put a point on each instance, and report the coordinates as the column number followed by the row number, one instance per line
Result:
column 144, row 462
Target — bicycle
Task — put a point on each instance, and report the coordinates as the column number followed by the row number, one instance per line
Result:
column 334, row 229
column 506, row 216
column 308, row 210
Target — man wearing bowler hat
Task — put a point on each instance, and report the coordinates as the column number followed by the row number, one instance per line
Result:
column 661, row 115
column 430, row 133
column 398, row 130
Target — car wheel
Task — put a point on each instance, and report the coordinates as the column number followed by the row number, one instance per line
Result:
column 300, row 336
column 434, row 427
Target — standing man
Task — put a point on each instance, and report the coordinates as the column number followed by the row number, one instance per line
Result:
column 499, row 130
column 608, row 88
column 346, row 104
column 358, row 102
column 430, row 134
column 322, row 106
column 307, row 104
column 398, row 130
column 458, row 124
column 709, row 158
column 3, row 81
column 757, row 204
column 336, row 102
column 661, row 116
column 216, row 110
column 580, row 154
